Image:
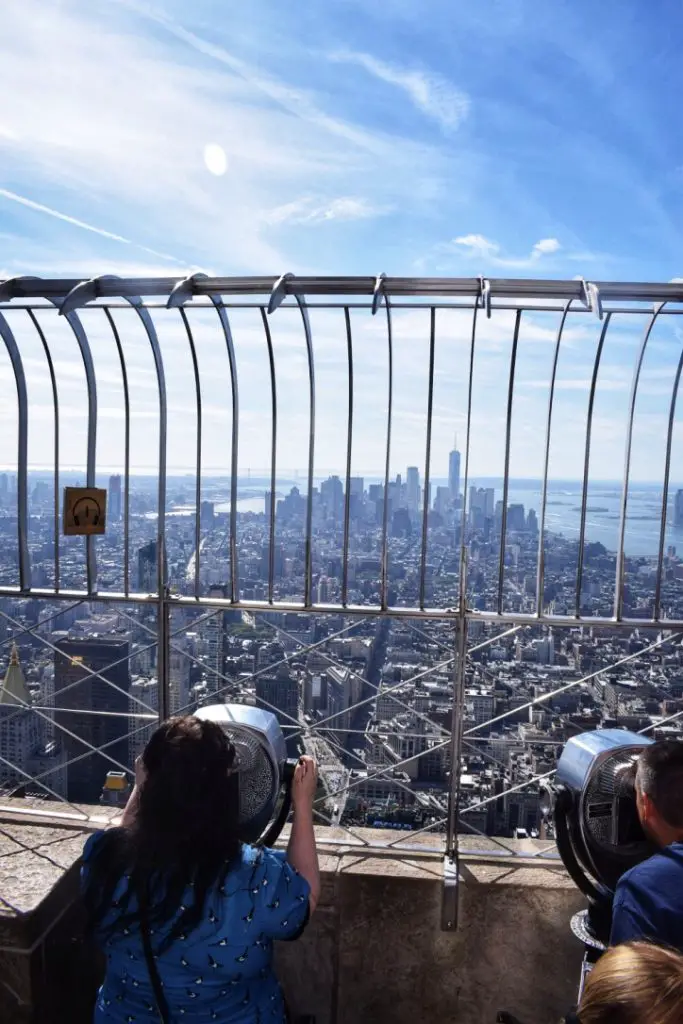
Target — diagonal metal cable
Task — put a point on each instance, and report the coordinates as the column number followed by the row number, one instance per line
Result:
column 368, row 682
column 311, row 732
column 255, row 675
column 415, row 678
column 506, row 792
column 88, row 753
column 97, row 674
column 575, row 682
column 41, row 622
column 92, row 673
column 20, row 771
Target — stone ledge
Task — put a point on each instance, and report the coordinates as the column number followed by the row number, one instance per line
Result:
column 374, row 950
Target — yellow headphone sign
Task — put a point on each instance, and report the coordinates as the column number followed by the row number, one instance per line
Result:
column 84, row 511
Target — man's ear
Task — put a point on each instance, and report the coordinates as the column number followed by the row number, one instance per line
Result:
column 646, row 806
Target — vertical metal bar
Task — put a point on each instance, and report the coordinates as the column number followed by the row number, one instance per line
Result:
column 22, row 454
column 234, row 448
column 506, row 481
column 540, row 571
column 665, row 490
column 428, row 456
column 150, row 330
column 91, row 457
column 349, row 441
column 449, row 920
column 273, row 451
column 164, row 648
column 308, row 579
column 468, row 430
column 385, row 513
column 619, row 582
column 586, row 462
column 55, row 405
column 126, row 452
column 198, row 464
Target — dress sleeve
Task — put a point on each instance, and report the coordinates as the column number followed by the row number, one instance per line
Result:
column 283, row 896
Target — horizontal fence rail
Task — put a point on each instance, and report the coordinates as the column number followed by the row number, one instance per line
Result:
column 291, row 522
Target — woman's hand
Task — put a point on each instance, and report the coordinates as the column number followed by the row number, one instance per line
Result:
column 305, row 782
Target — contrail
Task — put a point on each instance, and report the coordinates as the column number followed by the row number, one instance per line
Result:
column 23, row 201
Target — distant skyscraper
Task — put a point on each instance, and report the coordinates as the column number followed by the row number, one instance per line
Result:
column 206, row 514
column 678, row 509
column 114, row 503
column 516, row 519
column 413, row 490
column 454, row 474
column 212, row 632
column 441, row 500
column 532, row 522
column 147, row 568
column 482, row 502
column 142, row 691
column 279, row 693
column 76, row 696
column 332, row 496
column 179, row 676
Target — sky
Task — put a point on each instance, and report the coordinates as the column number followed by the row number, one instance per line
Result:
column 507, row 138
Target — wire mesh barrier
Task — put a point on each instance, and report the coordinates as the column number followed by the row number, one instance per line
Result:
column 292, row 523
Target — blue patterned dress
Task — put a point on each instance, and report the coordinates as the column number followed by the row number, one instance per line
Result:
column 222, row 971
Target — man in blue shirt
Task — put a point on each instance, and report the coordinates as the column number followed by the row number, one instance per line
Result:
column 648, row 902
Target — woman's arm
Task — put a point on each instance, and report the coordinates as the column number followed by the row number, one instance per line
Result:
column 301, row 851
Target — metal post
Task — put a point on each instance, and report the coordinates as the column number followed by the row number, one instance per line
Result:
column 163, row 657
column 449, row 902
column 163, row 635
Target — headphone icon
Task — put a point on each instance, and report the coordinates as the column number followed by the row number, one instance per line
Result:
column 89, row 505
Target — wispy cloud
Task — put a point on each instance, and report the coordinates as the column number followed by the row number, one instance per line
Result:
column 429, row 92
column 75, row 222
column 484, row 248
column 309, row 210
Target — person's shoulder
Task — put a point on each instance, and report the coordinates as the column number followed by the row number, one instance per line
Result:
column 96, row 842
column 662, row 862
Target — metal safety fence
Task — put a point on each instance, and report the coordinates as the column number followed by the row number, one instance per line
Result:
column 292, row 522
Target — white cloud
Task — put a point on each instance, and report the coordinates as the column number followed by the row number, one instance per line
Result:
column 431, row 93
column 485, row 248
column 477, row 244
column 546, row 245
column 308, row 210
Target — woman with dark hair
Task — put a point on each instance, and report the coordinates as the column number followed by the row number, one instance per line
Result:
column 185, row 913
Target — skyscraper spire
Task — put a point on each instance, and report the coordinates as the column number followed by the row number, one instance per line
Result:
column 14, row 689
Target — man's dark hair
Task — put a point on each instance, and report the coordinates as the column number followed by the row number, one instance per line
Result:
column 660, row 776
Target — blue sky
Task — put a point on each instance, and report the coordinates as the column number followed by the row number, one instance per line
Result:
column 505, row 138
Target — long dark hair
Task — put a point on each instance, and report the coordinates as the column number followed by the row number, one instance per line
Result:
column 184, row 833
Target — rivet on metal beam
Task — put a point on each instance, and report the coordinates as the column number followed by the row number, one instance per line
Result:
column 378, row 292
column 279, row 292
column 7, row 287
column 84, row 293
column 485, row 295
column 183, row 290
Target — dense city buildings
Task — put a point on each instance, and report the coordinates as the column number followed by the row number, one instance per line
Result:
column 370, row 696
